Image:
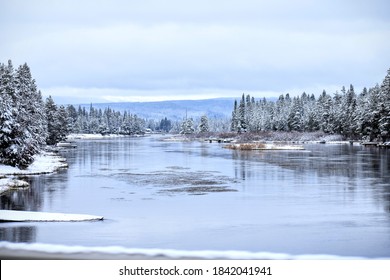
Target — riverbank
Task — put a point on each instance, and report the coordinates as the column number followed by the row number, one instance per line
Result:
column 281, row 136
column 90, row 136
column 44, row 163
column 253, row 137
column 38, row 251
column 263, row 146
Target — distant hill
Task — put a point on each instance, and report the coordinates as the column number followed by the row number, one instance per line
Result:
column 174, row 110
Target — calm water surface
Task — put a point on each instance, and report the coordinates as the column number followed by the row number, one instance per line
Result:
column 328, row 199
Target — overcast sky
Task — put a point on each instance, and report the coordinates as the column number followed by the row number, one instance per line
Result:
column 133, row 50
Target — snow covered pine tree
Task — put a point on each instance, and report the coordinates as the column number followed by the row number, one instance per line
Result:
column 23, row 124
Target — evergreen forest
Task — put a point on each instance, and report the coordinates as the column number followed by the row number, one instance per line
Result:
column 364, row 115
column 28, row 123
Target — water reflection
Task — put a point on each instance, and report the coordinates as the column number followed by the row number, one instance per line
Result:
column 25, row 234
column 28, row 199
column 200, row 196
column 349, row 166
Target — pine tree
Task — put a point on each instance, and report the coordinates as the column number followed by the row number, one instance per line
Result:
column 309, row 119
column 187, row 126
column 373, row 111
column 234, row 122
column 348, row 105
column 64, row 124
column 31, row 108
column 242, row 121
column 53, row 122
column 294, row 121
column 7, row 126
column 7, row 112
column 384, row 121
column 72, row 114
column 16, row 141
column 204, row 124
column 165, row 125
column 368, row 114
column 281, row 114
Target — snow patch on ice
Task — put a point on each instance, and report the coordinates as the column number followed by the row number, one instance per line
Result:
column 163, row 253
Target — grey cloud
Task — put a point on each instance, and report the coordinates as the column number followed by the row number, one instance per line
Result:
column 185, row 45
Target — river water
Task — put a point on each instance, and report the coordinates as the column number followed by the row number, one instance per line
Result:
column 327, row 199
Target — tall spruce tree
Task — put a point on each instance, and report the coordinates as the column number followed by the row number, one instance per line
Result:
column 234, row 122
column 242, row 120
column 53, row 122
column 22, row 126
column 187, row 126
column 384, row 121
column 204, row 124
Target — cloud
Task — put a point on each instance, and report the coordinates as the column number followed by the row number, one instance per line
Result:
column 187, row 47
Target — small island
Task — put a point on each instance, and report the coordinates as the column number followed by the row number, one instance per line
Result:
column 263, row 146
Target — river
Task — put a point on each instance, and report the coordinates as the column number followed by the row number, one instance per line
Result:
column 326, row 199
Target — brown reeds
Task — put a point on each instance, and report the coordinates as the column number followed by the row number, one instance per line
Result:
column 246, row 146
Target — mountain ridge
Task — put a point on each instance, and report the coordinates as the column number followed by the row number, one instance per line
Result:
column 172, row 109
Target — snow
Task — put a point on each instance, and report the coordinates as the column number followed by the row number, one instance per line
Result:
column 29, row 216
column 111, row 252
column 45, row 162
column 263, row 146
column 176, row 138
column 6, row 183
column 86, row 136
column 282, row 147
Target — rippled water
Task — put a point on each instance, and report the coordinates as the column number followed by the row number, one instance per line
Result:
column 327, row 199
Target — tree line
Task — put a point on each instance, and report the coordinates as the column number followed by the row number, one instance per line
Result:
column 355, row 116
column 28, row 123
column 107, row 121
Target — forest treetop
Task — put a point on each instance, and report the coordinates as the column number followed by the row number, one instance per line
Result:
column 356, row 116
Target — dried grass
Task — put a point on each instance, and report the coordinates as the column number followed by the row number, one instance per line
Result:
column 246, row 146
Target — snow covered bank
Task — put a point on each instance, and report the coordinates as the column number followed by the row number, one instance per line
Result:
column 29, row 216
column 263, row 146
column 44, row 163
column 177, row 138
column 10, row 183
column 49, row 251
column 86, row 136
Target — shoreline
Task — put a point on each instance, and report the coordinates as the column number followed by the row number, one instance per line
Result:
column 40, row 251
column 44, row 163
column 90, row 136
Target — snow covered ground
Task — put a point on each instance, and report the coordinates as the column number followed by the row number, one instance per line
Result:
column 45, row 162
column 86, row 136
column 51, row 251
column 6, row 183
column 31, row 216
column 263, row 146
column 176, row 138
